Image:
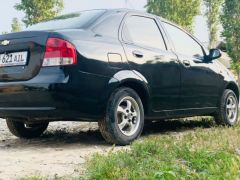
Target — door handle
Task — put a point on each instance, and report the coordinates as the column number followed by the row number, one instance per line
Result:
column 138, row 54
column 186, row 63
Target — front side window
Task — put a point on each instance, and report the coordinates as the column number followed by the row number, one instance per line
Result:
column 143, row 31
column 184, row 44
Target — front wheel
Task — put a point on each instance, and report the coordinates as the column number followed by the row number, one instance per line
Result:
column 228, row 110
column 124, row 119
column 26, row 131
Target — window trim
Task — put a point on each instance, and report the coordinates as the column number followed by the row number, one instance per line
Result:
column 187, row 33
column 140, row 45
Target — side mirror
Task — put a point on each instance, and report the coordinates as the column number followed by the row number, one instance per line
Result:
column 214, row 54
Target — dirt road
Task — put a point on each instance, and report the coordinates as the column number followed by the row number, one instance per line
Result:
column 64, row 148
column 61, row 151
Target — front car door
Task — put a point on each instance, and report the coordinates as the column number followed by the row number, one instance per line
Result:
column 148, row 54
column 200, row 80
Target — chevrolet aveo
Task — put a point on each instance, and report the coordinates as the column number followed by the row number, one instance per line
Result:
column 118, row 67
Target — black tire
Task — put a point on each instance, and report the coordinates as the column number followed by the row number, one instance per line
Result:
column 109, row 126
column 24, row 131
column 221, row 117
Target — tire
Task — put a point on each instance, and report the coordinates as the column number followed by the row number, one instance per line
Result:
column 123, row 122
column 24, row 131
column 227, row 114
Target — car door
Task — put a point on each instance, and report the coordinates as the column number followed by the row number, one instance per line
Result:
column 200, row 80
column 147, row 54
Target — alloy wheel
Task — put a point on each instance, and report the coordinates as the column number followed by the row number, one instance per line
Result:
column 231, row 108
column 128, row 116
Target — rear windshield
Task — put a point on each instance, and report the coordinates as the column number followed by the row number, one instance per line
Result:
column 69, row 21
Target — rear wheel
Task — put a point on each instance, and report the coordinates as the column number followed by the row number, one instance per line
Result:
column 26, row 131
column 228, row 110
column 124, row 117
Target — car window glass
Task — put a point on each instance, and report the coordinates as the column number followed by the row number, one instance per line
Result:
column 143, row 31
column 68, row 21
column 183, row 43
column 109, row 26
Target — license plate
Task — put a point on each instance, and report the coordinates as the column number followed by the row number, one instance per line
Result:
column 13, row 59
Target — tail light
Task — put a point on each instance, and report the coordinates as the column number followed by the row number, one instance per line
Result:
column 59, row 52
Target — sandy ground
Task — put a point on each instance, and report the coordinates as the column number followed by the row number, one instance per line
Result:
column 64, row 149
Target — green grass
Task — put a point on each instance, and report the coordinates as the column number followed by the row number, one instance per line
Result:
column 200, row 154
column 199, row 150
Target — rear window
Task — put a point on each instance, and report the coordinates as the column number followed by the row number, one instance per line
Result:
column 69, row 21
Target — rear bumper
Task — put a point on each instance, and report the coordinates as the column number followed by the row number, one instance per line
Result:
column 54, row 94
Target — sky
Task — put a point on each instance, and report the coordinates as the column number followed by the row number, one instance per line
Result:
column 7, row 12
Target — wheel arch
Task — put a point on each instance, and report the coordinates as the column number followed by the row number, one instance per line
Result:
column 232, row 86
column 135, row 81
column 140, row 89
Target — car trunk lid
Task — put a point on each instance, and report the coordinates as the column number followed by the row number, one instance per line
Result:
column 16, row 45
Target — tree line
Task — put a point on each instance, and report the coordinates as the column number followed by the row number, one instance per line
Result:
column 36, row 11
column 182, row 12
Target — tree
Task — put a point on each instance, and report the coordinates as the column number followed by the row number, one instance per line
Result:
column 181, row 12
column 213, row 11
column 39, row 10
column 230, row 19
column 16, row 26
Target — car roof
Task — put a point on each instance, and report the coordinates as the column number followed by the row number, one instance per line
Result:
column 138, row 12
column 114, row 10
column 129, row 11
column 149, row 14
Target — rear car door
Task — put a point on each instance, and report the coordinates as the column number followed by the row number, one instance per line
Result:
column 148, row 54
column 200, row 79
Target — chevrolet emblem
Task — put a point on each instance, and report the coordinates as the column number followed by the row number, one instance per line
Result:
column 5, row 42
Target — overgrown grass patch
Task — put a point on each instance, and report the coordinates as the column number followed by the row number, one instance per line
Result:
column 200, row 154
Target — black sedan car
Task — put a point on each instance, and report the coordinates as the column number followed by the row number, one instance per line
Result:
column 118, row 67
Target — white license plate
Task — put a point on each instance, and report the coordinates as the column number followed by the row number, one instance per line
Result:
column 13, row 59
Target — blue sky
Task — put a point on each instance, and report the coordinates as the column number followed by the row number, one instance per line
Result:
column 7, row 12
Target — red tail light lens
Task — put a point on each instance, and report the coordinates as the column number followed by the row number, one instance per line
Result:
column 59, row 52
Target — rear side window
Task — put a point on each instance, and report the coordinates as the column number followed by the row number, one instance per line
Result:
column 184, row 44
column 143, row 31
column 109, row 26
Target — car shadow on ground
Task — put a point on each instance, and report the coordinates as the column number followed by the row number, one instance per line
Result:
column 86, row 137
column 176, row 125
